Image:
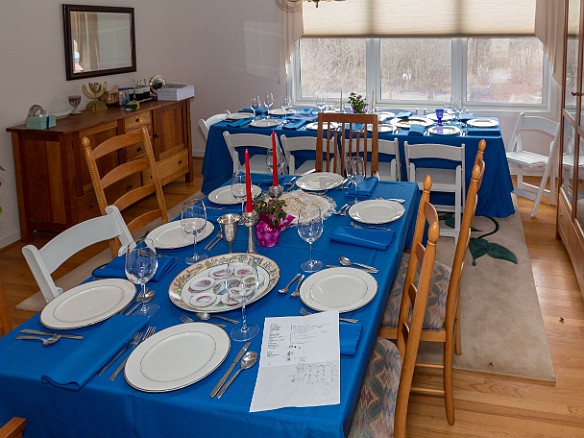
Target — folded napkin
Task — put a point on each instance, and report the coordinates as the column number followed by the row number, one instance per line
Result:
column 77, row 366
column 366, row 238
column 358, row 127
column 403, row 115
column 349, row 336
column 305, row 111
column 117, row 268
column 416, row 130
column 239, row 123
column 259, row 111
column 295, row 124
column 265, row 178
column 465, row 117
column 364, row 188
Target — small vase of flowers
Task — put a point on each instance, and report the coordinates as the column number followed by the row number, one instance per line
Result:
column 272, row 221
column 358, row 103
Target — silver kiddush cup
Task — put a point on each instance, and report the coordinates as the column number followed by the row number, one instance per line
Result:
column 229, row 224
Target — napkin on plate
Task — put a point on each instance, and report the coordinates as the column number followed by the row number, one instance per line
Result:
column 364, row 188
column 403, row 115
column 239, row 123
column 77, row 367
column 366, row 238
column 349, row 336
column 416, row 129
column 296, row 124
column 117, row 268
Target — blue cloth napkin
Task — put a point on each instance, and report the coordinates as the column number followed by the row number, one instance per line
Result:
column 403, row 115
column 239, row 123
column 265, row 178
column 77, row 366
column 416, row 130
column 295, row 124
column 465, row 117
column 483, row 132
column 366, row 238
column 358, row 127
column 349, row 336
column 117, row 268
column 364, row 188
column 305, row 111
column 259, row 111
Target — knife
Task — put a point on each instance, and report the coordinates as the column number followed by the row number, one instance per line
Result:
column 39, row 332
column 224, row 378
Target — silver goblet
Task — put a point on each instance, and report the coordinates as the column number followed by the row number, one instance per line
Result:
column 229, row 224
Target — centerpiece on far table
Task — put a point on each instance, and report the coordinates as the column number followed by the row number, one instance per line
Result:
column 273, row 219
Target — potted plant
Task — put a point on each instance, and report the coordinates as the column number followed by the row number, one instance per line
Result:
column 272, row 221
column 358, row 103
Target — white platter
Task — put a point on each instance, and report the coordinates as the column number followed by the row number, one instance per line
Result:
column 187, row 299
column 319, row 181
column 445, row 118
column 238, row 116
column 444, row 130
column 341, row 289
column 177, row 357
column 376, row 211
column 88, row 304
column 414, row 120
column 265, row 123
column 483, row 123
column 223, row 195
column 171, row 235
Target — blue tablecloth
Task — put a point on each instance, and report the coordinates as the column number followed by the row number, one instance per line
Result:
column 114, row 409
column 494, row 195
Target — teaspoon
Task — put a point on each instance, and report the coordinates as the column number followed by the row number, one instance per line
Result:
column 205, row 316
column 346, row 261
column 247, row 361
column 45, row 341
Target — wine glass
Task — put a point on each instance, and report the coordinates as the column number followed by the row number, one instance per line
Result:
column 238, row 187
column 280, row 160
column 255, row 104
column 320, row 103
column 286, row 104
column 268, row 102
column 141, row 265
column 243, row 283
column 310, row 225
column 74, row 101
column 193, row 219
column 355, row 169
column 439, row 115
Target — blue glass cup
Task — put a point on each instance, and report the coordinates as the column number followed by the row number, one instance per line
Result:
column 439, row 115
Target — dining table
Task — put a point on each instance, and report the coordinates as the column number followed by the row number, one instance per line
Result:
column 99, row 407
column 495, row 198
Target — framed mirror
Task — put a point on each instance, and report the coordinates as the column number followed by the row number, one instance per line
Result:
column 99, row 41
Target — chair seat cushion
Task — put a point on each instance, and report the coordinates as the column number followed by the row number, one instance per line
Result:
column 436, row 307
column 375, row 411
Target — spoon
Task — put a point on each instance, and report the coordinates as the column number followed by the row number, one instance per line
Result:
column 247, row 361
column 45, row 341
column 284, row 290
column 205, row 316
column 149, row 295
column 346, row 261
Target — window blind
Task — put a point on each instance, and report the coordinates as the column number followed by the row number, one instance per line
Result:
column 407, row 18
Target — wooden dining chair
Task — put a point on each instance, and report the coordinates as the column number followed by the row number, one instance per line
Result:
column 5, row 324
column 128, row 182
column 340, row 135
column 383, row 403
column 442, row 320
column 13, row 428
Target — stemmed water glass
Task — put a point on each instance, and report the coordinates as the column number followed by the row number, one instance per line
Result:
column 238, row 187
column 243, row 283
column 355, row 170
column 280, row 160
column 310, row 226
column 255, row 104
column 321, row 103
column 141, row 265
column 286, row 105
column 193, row 220
column 268, row 102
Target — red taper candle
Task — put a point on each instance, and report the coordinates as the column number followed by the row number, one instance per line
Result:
column 249, row 207
column 274, row 160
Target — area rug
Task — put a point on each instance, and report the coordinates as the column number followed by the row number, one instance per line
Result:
column 502, row 327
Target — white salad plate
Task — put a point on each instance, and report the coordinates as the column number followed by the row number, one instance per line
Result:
column 265, row 123
column 238, row 116
column 223, row 195
column 88, row 304
column 171, row 235
column 376, row 211
column 444, row 130
column 483, row 123
column 341, row 289
column 319, row 181
column 414, row 120
column 445, row 118
column 177, row 357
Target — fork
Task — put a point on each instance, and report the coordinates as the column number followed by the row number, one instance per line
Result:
column 305, row 312
column 296, row 292
column 187, row 319
column 149, row 332
column 131, row 344
column 209, row 246
column 340, row 210
column 369, row 227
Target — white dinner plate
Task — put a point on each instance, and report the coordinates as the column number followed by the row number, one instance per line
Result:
column 314, row 126
column 383, row 116
column 384, row 128
column 265, row 123
column 482, row 123
column 341, row 289
column 414, row 120
column 444, row 130
column 223, row 195
column 171, row 235
column 445, row 118
column 376, row 211
column 88, row 304
column 177, row 357
column 319, row 181
column 237, row 116
column 281, row 112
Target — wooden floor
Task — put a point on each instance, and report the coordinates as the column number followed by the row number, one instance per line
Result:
column 486, row 405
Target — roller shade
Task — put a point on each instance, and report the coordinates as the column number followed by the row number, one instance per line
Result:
column 573, row 17
column 404, row 18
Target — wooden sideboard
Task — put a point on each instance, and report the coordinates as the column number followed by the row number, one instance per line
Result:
column 52, row 180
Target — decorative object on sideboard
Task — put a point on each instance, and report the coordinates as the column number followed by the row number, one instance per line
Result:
column 38, row 118
column 74, row 101
column 95, row 91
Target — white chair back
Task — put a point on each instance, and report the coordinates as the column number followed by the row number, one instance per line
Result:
column 389, row 171
column 44, row 261
column 206, row 124
column 294, row 144
column 257, row 162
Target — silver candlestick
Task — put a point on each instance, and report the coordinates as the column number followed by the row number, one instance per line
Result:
column 250, row 219
column 275, row 191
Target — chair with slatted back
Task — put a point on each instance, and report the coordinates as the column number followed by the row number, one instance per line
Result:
column 442, row 321
column 340, row 135
column 383, row 403
column 13, row 428
column 5, row 324
column 129, row 182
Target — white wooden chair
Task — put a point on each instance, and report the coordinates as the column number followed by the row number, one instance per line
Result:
column 257, row 162
column 389, row 170
column 294, row 144
column 443, row 180
column 205, row 124
column 43, row 262
column 525, row 159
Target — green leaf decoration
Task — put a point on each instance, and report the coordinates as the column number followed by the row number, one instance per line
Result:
column 500, row 252
column 477, row 248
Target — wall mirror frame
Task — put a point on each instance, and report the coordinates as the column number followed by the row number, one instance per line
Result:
column 99, row 41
